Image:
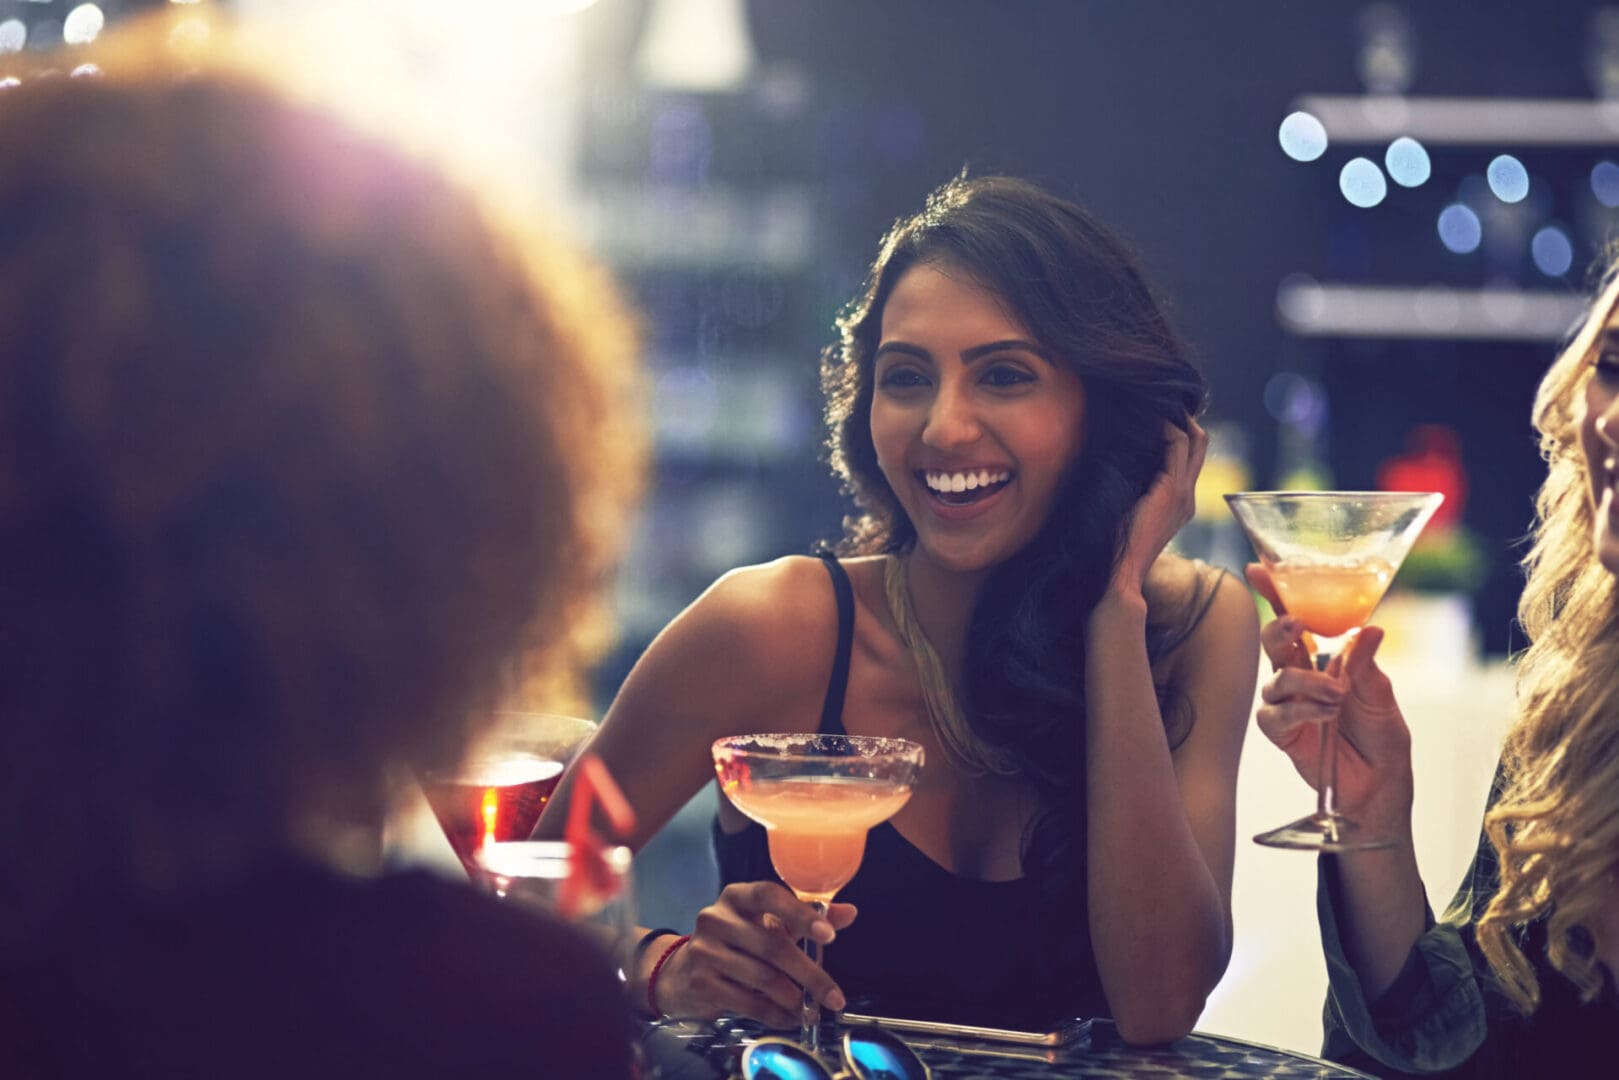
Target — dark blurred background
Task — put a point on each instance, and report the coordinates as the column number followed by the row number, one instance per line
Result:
column 1164, row 118
column 738, row 160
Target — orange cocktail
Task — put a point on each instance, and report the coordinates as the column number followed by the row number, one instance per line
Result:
column 1332, row 598
column 816, row 796
column 817, row 825
column 1331, row 556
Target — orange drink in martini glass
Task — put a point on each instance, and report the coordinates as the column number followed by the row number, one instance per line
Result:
column 1331, row 556
column 816, row 796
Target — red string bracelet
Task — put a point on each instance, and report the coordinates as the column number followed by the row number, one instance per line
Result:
column 652, row 979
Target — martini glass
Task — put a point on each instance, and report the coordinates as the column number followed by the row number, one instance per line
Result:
column 1331, row 556
column 497, row 794
column 816, row 796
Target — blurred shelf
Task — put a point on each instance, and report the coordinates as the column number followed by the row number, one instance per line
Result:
column 1313, row 309
column 1465, row 121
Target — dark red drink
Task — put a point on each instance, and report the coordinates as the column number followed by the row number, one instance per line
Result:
column 491, row 800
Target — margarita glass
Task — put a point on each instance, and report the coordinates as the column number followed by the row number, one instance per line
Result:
column 1331, row 556
column 816, row 796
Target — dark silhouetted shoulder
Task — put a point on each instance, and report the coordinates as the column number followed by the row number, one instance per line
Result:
column 305, row 973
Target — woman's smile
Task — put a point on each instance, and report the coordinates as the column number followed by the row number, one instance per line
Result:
column 969, row 483
column 960, row 494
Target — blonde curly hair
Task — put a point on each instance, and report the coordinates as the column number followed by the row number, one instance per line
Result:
column 306, row 450
column 1555, row 827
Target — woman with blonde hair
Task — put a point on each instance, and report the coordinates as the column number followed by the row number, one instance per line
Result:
column 304, row 449
column 1517, row 978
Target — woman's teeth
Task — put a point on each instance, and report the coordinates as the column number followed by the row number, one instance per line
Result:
column 958, row 483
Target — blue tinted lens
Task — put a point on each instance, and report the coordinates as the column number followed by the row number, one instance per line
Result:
column 779, row 1061
column 874, row 1056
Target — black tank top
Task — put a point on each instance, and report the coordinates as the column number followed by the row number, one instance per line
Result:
column 929, row 943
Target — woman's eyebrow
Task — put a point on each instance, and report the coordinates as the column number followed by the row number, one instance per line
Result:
column 904, row 348
column 1009, row 345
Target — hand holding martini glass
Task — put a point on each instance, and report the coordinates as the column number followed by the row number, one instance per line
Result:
column 1331, row 556
column 816, row 796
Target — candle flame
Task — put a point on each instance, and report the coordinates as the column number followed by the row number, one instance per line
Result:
column 491, row 812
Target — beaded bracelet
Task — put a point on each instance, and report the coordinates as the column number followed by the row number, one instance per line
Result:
column 652, row 979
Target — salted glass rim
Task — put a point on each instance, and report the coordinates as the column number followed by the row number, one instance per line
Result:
column 868, row 747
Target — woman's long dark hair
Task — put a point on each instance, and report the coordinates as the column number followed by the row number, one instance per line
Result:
column 1084, row 296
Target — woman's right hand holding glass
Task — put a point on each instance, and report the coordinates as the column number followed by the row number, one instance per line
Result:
column 1382, row 908
column 743, row 958
column 1374, row 784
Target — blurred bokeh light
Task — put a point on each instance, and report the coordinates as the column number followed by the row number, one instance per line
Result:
column 1362, row 183
column 1605, row 183
column 1302, row 137
column 82, row 24
column 1407, row 162
column 1459, row 229
column 13, row 35
column 1508, row 179
column 1552, row 251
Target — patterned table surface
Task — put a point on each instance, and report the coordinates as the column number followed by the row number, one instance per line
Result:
column 688, row 1051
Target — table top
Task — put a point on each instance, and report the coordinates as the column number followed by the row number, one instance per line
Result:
column 686, row 1050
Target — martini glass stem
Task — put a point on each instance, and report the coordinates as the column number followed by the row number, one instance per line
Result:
column 1326, row 800
column 810, row 1028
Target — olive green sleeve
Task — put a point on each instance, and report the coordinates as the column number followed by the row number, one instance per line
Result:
column 1431, row 1018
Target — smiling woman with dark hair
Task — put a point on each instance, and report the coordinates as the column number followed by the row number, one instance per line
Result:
column 1017, row 422
column 303, row 451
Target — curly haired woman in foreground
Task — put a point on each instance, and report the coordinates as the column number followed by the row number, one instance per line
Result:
column 303, row 451
column 1517, row 979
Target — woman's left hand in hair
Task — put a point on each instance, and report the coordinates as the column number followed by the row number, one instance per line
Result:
column 1166, row 507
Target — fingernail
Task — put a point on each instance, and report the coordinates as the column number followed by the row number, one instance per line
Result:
column 834, row 1001
column 822, row 931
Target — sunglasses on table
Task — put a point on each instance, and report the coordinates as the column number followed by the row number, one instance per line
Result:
column 868, row 1054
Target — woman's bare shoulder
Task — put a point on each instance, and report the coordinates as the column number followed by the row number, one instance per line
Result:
column 1213, row 606
column 781, row 615
column 1176, row 579
column 794, row 589
column 754, row 648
